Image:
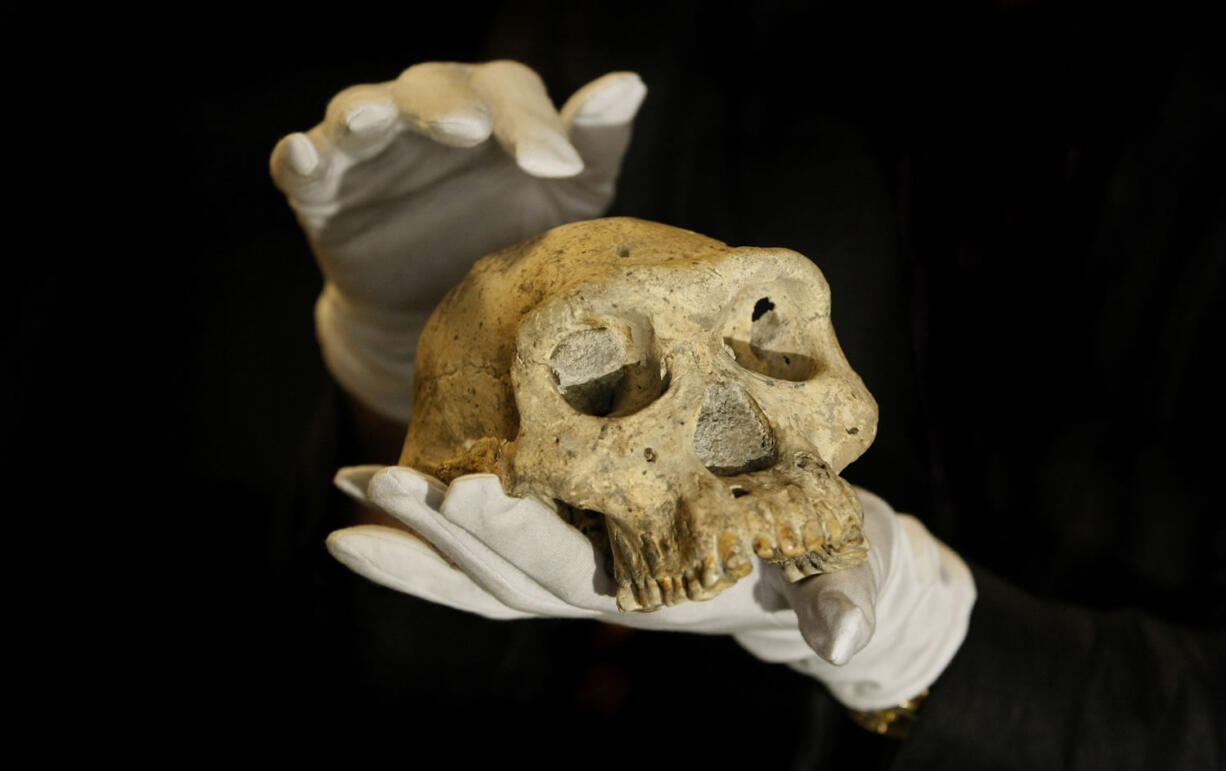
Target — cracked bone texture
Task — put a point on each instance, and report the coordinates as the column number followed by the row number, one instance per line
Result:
column 691, row 393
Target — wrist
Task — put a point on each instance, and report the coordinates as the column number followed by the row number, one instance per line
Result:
column 370, row 351
column 895, row 722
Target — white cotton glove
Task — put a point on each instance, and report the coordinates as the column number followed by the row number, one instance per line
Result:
column 915, row 594
column 515, row 558
column 405, row 184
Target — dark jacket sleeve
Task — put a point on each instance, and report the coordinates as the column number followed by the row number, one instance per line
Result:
column 1044, row 685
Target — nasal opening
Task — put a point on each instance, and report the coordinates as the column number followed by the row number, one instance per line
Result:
column 732, row 435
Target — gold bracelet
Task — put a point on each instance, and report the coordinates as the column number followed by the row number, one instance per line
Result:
column 895, row 722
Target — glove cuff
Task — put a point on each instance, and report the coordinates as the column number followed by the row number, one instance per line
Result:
column 370, row 352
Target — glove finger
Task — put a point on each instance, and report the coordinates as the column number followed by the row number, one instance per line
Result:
column 525, row 121
column 303, row 167
column 433, row 100
column 362, row 120
column 437, row 101
column 397, row 560
column 610, row 100
column 599, row 118
column 836, row 611
column 402, row 492
column 532, row 538
column 353, row 481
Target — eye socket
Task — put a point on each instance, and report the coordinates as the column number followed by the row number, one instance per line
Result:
column 593, row 374
column 764, row 340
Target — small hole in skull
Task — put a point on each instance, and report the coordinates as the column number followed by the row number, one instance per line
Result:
column 776, row 343
column 762, row 307
column 623, row 252
column 739, row 492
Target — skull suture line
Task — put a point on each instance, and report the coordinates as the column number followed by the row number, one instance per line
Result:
column 693, row 394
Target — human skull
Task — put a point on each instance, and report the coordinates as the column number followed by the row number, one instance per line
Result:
column 691, row 395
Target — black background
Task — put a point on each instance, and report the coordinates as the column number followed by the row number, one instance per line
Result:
column 1019, row 209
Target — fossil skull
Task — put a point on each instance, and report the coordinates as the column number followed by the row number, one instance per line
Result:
column 686, row 400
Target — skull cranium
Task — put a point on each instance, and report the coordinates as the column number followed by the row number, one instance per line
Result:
column 692, row 393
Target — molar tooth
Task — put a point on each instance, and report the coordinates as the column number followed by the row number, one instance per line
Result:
column 763, row 547
column 693, row 588
column 668, row 589
column 651, row 592
column 738, row 565
column 710, row 574
column 788, row 543
column 808, row 565
column 732, row 553
column 683, row 588
column 697, row 592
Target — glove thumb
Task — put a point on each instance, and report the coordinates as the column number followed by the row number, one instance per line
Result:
column 599, row 118
column 836, row 612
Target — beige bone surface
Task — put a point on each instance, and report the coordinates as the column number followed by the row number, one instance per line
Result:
column 690, row 394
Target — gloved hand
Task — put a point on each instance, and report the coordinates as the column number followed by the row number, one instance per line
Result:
column 405, row 184
column 514, row 558
column 903, row 614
